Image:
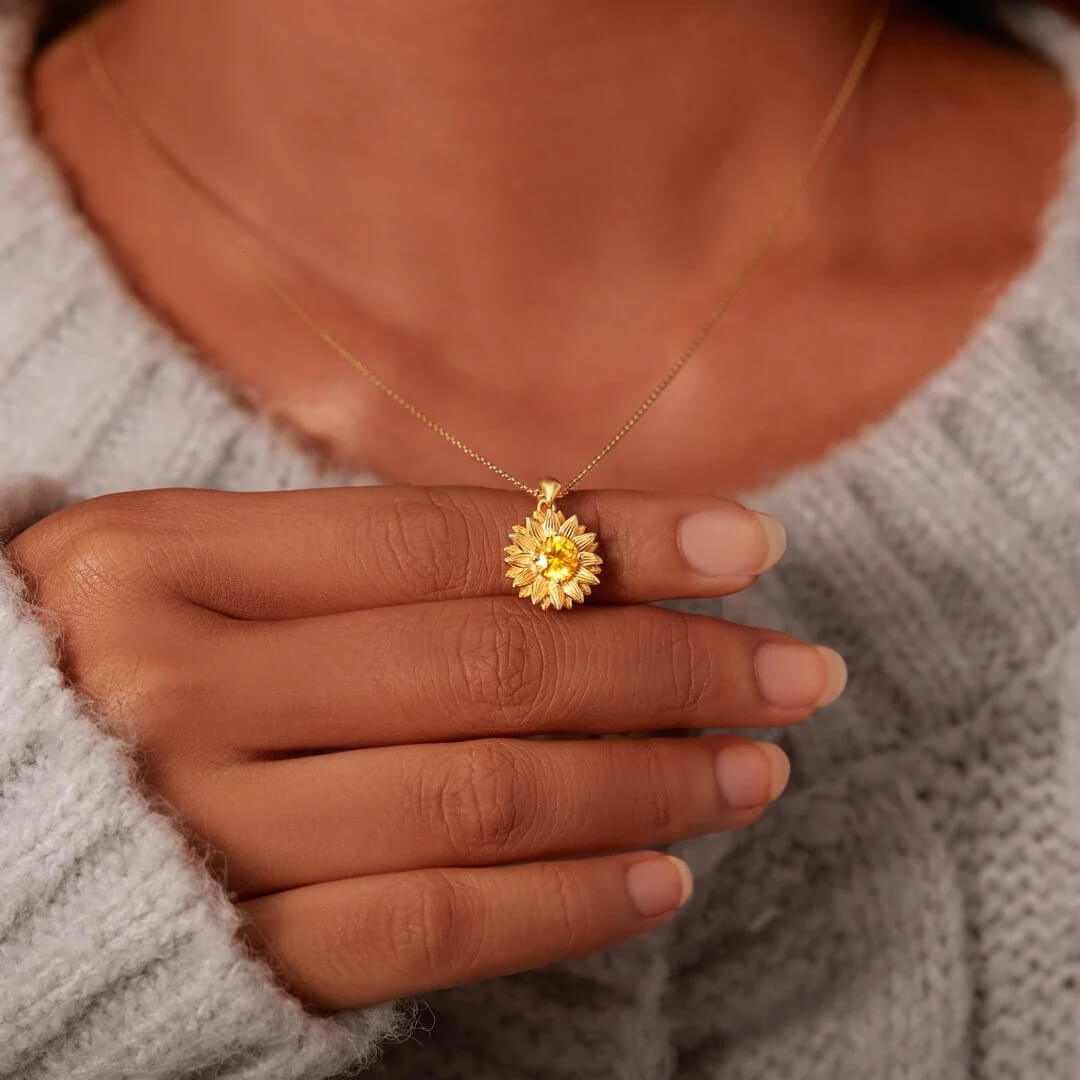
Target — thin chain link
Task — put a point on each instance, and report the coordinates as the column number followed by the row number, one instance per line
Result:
column 247, row 247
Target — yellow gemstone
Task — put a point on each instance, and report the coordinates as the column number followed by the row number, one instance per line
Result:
column 557, row 559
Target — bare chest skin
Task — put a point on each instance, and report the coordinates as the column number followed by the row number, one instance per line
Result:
column 919, row 223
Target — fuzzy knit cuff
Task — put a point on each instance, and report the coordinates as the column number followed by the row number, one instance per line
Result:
column 118, row 952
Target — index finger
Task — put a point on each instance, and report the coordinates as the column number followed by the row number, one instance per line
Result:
column 274, row 555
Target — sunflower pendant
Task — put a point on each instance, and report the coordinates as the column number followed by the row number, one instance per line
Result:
column 552, row 558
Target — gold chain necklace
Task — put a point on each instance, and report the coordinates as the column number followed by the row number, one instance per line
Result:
column 552, row 559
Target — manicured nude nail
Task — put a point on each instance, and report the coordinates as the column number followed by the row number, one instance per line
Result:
column 799, row 676
column 751, row 774
column 730, row 540
column 658, row 886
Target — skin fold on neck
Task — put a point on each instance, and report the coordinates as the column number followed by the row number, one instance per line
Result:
column 523, row 211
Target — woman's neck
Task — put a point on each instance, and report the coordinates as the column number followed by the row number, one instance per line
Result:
column 520, row 212
column 377, row 142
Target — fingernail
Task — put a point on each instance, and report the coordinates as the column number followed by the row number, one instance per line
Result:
column 657, row 886
column 730, row 540
column 751, row 774
column 799, row 676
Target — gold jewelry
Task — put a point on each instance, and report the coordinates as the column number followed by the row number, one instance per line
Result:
column 552, row 559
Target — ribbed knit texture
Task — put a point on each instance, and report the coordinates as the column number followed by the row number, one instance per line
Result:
column 910, row 909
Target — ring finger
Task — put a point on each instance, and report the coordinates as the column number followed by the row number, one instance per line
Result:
column 482, row 802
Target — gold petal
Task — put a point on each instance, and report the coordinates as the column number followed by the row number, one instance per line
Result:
column 569, row 526
column 583, row 541
column 535, row 530
column 524, row 558
column 526, row 592
column 584, row 575
column 545, row 603
column 572, row 588
column 525, row 576
column 555, row 591
column 539, row 588
column 552, row 522
column 588, row 558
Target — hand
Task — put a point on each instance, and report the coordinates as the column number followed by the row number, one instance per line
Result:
column 332, row 689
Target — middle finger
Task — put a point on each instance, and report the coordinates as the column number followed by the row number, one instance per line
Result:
column 491, row 666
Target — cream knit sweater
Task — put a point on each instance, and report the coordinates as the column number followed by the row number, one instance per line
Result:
column 910, row 909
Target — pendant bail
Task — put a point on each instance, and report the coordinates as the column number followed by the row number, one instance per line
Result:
column 549, row 491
